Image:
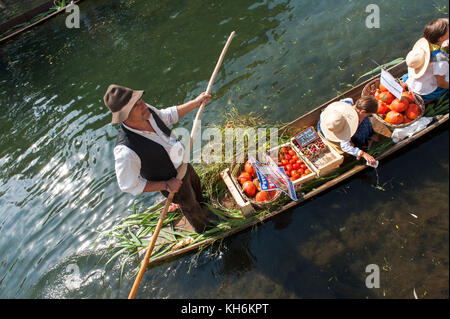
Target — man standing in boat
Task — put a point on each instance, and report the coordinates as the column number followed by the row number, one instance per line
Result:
column 147, row 156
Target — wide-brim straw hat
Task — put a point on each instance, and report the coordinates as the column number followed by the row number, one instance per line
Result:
column 120, row 100
column 418, row 59
column 339, row 121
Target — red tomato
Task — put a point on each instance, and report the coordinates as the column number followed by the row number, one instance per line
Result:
column 262, row 196
column 288, row 157
column 295, row 157
column 291, row 152
column 288, row 167
column 249, row 169
column 296, row 165
column 244, row 177
column 292, row 161
column 303, row 166
column 249, row 188
column 294, row 177
column 301, row 171
column 382, row 108
column 284, row 162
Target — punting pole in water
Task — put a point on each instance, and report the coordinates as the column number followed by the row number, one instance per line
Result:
column 180, row 174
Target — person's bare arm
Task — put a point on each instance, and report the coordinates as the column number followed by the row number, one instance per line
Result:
column 441, row 81
column 187, row 107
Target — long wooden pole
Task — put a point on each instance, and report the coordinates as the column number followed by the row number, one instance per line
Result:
column 180, row 174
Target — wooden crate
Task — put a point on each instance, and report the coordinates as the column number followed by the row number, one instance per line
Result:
column 335, row 161
column 244, row 205
column 305, row 178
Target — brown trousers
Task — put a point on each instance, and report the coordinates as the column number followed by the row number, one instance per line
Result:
column 189, row 197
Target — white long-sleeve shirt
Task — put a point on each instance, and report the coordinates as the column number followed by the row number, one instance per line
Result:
column 128, row 163
column 347, row 147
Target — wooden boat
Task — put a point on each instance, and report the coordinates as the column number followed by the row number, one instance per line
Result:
column 311, row 119
column 30, row 19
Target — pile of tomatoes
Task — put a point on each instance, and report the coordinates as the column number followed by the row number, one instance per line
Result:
column 396, row 111
column 294, row 167
column 250, row 184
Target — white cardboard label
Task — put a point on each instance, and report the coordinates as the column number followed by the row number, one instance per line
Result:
column 391, row 84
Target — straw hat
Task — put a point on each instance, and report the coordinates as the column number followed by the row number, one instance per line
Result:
column 120, row 100
column 418, row 58
column 339, row 121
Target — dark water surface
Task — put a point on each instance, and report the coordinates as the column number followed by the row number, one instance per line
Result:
column 58, row 186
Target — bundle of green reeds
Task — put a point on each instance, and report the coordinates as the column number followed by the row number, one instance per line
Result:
column 437, row 108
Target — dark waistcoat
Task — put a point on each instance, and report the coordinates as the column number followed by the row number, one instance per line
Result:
column 156, row 164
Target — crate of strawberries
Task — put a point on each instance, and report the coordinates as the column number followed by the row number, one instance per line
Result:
column 316, row 152
column 247, row 183
column 394, row 112
column 293, row 164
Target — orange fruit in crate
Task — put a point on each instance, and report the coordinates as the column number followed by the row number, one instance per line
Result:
column 249, row 188
column 244, row 177
column 394, row 117
column 399, row 105
column 412, row 112
column 383, row 88
column 249, row 169
column 408, row 96
column 262, row 196
column 386, row 97
column 382, row 108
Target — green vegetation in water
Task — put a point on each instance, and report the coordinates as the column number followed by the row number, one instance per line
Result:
column 441, row 8
column 57, row 6
column 379, row 67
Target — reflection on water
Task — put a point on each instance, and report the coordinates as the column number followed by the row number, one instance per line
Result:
column 58, row 187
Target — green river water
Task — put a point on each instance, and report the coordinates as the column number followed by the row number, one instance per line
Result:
column 58, row 187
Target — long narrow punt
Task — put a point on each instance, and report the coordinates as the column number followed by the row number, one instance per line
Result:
column 311, row 119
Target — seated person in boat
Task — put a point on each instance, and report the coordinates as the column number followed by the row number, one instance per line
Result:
column 349, row 126
column 427, row 62
column 147, row 156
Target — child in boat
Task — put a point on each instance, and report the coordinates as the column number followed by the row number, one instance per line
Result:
column 349, row 125
column 428, row 65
